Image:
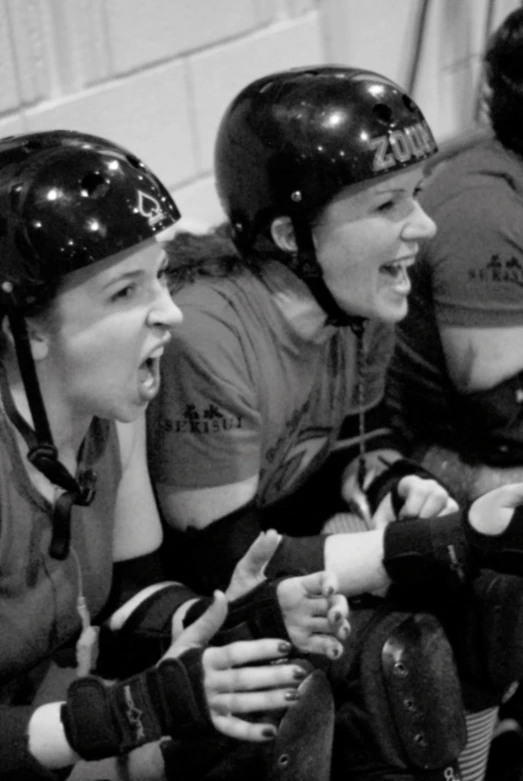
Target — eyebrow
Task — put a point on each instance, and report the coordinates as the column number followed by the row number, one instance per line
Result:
column 399, row 189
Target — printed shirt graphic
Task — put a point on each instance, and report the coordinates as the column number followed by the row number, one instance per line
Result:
column 243, row 394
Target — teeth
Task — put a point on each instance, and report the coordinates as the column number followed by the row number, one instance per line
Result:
column 156, row 354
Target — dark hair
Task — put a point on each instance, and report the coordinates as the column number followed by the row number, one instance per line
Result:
column 504, row 76
column 214, row 254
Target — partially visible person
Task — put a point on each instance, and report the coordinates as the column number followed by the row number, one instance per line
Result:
column 455, row 385
column 86, row 315
column 286, row 338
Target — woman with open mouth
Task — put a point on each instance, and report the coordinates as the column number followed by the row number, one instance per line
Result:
column 86, row 315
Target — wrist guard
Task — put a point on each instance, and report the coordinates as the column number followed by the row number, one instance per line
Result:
column 144, row 637
column 169, row 700
column 388, row 480
column 448, row 549
column 428, row 550
column 255, row 615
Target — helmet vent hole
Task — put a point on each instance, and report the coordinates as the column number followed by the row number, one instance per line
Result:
column 94, row 185
column 383, row 113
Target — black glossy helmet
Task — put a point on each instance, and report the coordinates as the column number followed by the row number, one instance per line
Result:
column 67, row 200
column 289, row 142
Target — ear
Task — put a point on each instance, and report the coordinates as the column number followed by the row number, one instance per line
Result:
column 37, row 338
column 282, row 233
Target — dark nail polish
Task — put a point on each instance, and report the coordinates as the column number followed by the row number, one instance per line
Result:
column 269, row 732
column 292, row 696
column 284, row 647
column 299, row 674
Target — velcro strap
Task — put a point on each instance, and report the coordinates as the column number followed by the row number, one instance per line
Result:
column 388, row 480
column 168, row 700
column 424, row 551
column 144, row 637
column 255, row 615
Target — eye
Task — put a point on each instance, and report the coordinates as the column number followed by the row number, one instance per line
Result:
column 386, row 205
column 163, row 274
column 124, row 293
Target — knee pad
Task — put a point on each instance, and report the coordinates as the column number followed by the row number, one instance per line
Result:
column 400, row 712
column 500, row 611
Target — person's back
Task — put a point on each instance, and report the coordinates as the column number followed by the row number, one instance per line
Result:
column 470, row 275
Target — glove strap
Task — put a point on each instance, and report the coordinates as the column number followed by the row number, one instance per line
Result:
column 255, row 615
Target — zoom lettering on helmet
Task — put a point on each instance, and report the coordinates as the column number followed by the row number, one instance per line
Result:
column 150, row 208
column 400, row 146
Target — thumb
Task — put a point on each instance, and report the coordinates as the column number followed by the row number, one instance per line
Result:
column 203, row 629
column 260, row 553
column 513, row 494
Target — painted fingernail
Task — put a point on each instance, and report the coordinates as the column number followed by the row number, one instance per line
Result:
column 345, row 632
column 299, row 674
column 292, row 696
column 337, row 617
column 269, row 732
column 335, row 652
column 284, row 647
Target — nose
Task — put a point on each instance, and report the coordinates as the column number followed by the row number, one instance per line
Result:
column 164, row 311
column 419, row 225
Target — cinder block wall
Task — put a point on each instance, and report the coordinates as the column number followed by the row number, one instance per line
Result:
column 156, row 75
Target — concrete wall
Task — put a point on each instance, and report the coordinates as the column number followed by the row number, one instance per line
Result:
column 156, row 75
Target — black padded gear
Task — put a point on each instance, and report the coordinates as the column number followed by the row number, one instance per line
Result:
column 255, row 615
column 447, row 550
column 168, row 700
column 400, row 713
column 144, row 637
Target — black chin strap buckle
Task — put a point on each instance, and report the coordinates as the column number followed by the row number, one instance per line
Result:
column 44, row 457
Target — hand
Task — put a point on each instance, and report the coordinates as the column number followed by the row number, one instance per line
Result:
column 492, row 512
column 315, row 615
column 249, row 571
column 234, row 682
column 423, row 498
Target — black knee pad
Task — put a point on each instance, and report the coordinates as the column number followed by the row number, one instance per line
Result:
column 485, row 628
column 400, row 713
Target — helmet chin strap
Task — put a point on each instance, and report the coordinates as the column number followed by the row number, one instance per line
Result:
column 305, row 265
column 43, row 453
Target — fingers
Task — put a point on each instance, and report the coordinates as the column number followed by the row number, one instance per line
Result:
column 249, row 679
column 423, row 498
column 513, row 494
column 260, row 553
column 338, row 615
column 249, row 571
column 321, row 583
column 244, row 730
column 203, row 629
column 244, row 653
column 236, row 703
column 324, row 644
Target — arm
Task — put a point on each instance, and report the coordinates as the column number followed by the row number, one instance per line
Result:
column 480, row 358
